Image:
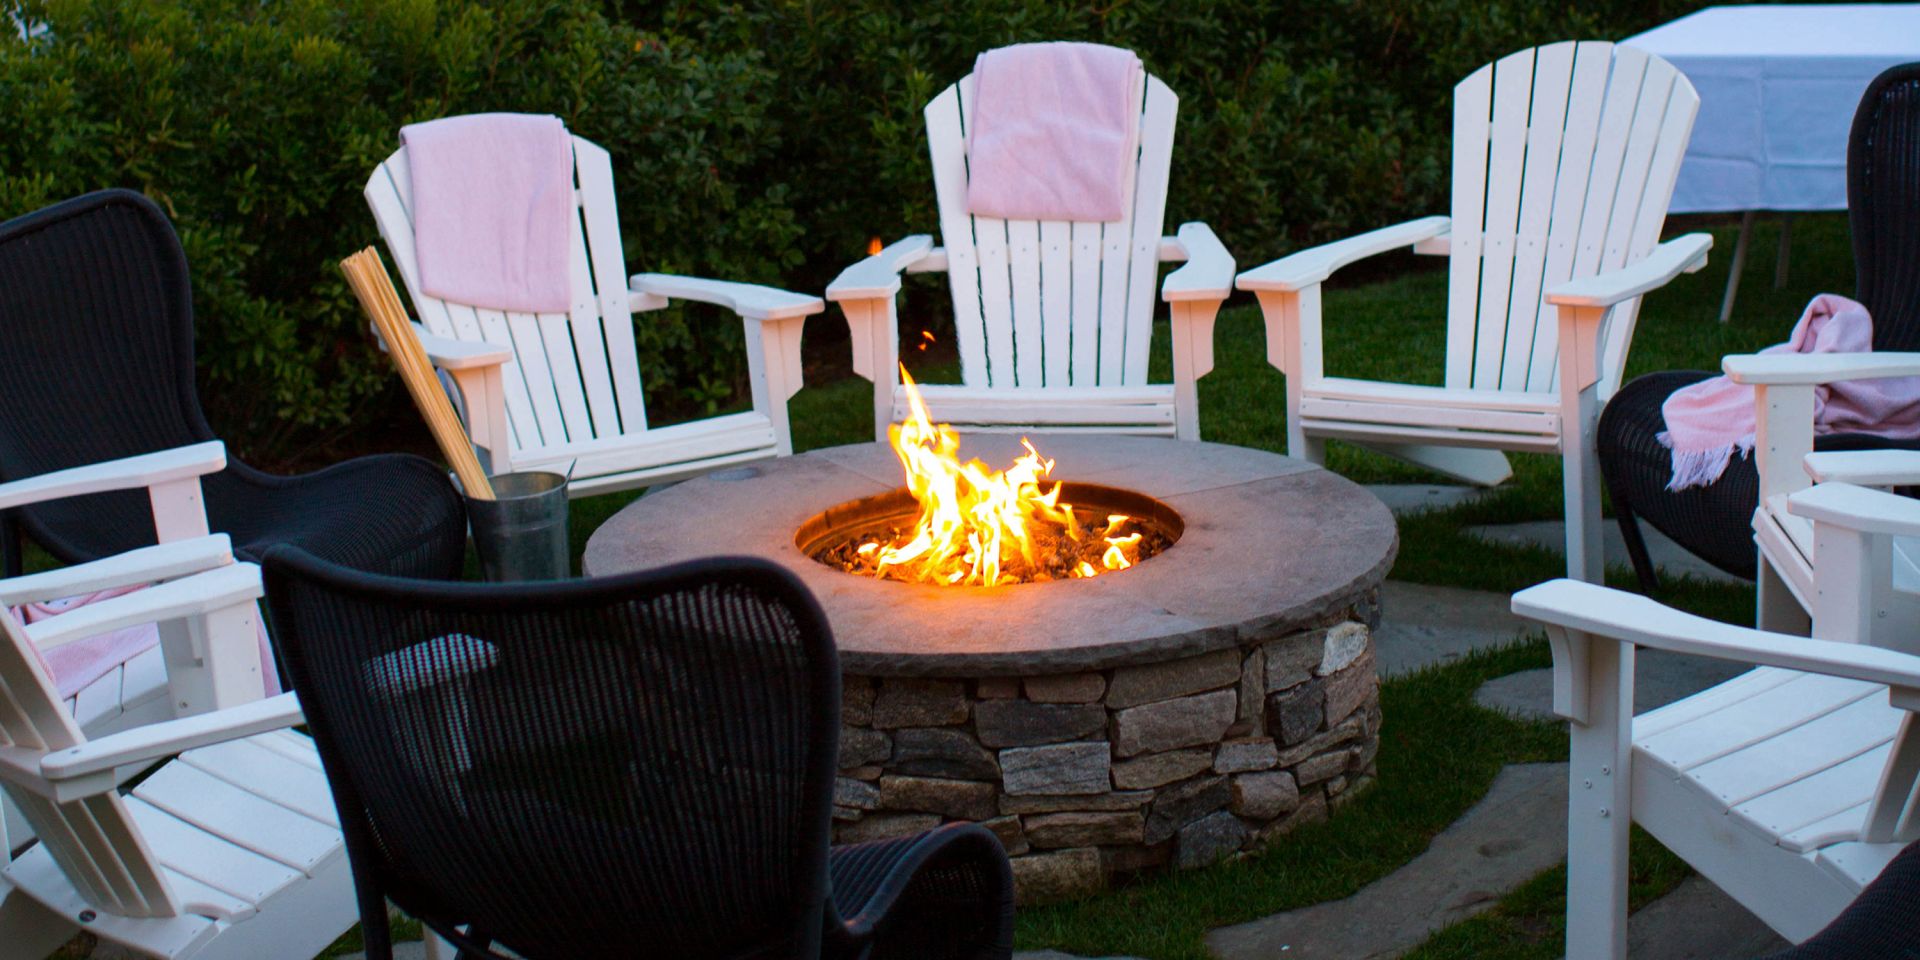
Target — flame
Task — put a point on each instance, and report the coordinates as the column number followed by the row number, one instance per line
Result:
column 926, row 338
column 980, row 527
column 874, row 246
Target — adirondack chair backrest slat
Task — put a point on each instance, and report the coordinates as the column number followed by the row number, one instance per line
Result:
column 93, row 840
column 1052, row 303
column 575, row 376
column 1564, row 159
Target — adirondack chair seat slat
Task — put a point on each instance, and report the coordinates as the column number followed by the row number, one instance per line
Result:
column 563, row 390
column 241, row 816
column 1048, row 305
column 1146, row 410
column 1564, row 160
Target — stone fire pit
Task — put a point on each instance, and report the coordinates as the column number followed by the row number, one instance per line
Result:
column 1204, row 702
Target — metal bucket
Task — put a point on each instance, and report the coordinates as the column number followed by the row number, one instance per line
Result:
column 521, row 534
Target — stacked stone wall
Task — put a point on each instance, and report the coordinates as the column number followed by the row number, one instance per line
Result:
column 1089, row 776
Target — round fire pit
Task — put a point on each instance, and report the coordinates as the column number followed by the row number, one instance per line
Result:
column 1204, row 701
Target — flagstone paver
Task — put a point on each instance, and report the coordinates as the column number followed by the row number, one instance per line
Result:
column 1514, row 833
column 1423, row 625
column 1404, row 498
column 1670, row 557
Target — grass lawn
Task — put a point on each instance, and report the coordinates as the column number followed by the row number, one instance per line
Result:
column 1439, row 751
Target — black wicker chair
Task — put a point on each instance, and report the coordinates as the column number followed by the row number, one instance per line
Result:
column 96, row 325
column 1882, row 923
column 1883, row 200
column 633, row 766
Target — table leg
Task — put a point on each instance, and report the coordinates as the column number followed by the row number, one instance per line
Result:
column 1786, row 244
column 1738, row 264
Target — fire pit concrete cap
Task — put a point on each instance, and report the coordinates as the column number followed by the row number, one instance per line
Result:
column 1272, row 546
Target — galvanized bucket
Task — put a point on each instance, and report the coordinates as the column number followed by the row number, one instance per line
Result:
column 521, row 534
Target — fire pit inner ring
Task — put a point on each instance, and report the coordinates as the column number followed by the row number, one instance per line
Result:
column 826, row 535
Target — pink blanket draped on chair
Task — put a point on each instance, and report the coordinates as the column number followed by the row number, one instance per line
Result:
column 1054, row 132
column 77, row 665
column 492, row 205
column 1709, row 420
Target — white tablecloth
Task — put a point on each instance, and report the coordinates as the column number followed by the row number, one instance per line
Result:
column 1778, row 85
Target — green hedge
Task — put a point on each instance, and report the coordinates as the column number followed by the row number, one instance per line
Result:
column 762, row 140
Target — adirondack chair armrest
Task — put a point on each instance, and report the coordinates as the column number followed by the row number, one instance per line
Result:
column 1208, row 274
column 1682, row 254
column 1591, row 609
column 749, row 300
column 1866, row 468
column 1304, row 269
column 96, row 760
column 128, row 473
column 450, row 354
column 1812, row 369
column 878, row 276
column 1857, row 508
column 189, row 596
column 166, row 561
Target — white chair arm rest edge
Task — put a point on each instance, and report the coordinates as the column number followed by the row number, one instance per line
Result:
column 878, row 276
column 749, row 300
column 1638, row 620
column 1682, row 254
column 1308, row 267
column 1208, row 274
column 127, row 473
column 1812, row 369
column 166, row 561
column 168, row 737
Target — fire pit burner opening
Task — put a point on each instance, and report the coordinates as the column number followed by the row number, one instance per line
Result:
column 835, row 536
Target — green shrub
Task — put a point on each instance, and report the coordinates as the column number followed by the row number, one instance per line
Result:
column 256, row 124
column 764, row 140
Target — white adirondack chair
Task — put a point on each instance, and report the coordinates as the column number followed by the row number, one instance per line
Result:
column 232, row 849
column 1790, row 786
column 1784, row 458
column 1054, row 319
column 168, row 680
column 1564, row 159
column 554, row 391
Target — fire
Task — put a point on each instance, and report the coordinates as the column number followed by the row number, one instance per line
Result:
column 980, row 527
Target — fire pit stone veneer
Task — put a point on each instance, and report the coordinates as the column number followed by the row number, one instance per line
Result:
column 1205, row 702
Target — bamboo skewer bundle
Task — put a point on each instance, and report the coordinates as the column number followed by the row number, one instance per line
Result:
column 374, row 288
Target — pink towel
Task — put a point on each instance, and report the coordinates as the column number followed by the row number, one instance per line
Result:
column 75, row 666
column 1055, row 131
column 492, row 201
column 1707, row 421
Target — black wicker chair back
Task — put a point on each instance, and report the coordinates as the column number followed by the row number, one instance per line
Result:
column 96, row 328
column 1883, row 197
column 631, row 766
column 1883, row 206
column 96, row 323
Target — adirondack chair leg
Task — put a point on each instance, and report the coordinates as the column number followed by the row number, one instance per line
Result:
column 1776, row 608
column 1580, row 470
column 1599, row 813
column 1192, row 359
column 874, row 328
column 28, row 930
column 773, row 370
